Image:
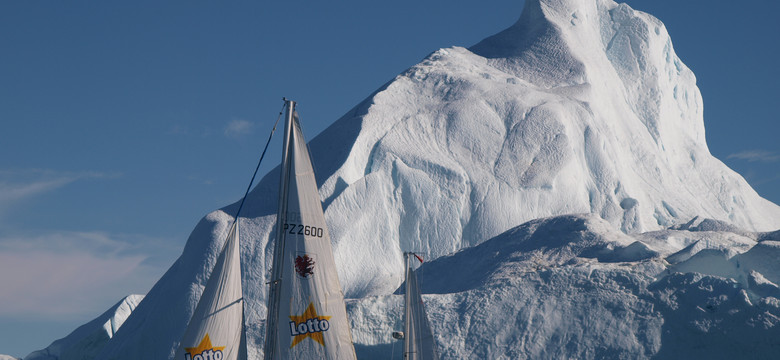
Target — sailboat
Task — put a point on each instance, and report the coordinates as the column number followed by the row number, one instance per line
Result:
column 306, row 317
column 417, row 335
column 216, row 329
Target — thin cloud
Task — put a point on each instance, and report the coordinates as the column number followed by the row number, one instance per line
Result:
column 20, row 184
column 756, row 155
column 178, row 129
column 756, row 180
column 70, row 274
column 237, row 128
column 10, row 191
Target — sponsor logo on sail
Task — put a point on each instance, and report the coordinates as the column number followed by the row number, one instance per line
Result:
column 304, row 265
column 204, row 351
column 309, row 325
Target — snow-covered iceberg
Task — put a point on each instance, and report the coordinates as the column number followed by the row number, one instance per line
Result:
column 581, row 107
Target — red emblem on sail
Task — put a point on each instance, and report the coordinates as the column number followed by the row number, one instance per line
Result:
column 304, row 265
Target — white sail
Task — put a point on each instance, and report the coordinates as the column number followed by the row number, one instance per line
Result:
column 306, row 313
column 216, row 330
column 418, row 338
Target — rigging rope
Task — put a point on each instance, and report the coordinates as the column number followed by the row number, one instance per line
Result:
column 238, row 212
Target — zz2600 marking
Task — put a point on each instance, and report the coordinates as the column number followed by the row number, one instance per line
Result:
column 301, row 229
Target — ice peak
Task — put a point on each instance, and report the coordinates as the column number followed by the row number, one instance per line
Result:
column 536, row 41
column 559, row 43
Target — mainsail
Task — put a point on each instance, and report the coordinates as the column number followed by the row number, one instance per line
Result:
column 307, row 317
column 216, row 330
column 418, row 338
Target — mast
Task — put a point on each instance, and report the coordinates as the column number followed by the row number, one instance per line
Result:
column 274, row 294
column 408, row 329
column 417, row 335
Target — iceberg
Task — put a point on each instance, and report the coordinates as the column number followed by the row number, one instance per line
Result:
column 551, row 173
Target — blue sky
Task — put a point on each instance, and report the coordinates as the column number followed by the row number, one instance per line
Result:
column 123, row 123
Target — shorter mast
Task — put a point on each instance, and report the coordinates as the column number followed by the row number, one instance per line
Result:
column 418, row 338
column 408, row 328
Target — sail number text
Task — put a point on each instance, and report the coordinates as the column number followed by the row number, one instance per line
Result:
column 301, row 229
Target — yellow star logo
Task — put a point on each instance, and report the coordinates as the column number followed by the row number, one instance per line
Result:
column 309, row 325
column 204, row 345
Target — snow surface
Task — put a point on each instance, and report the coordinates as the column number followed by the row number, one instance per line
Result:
column 581, row 107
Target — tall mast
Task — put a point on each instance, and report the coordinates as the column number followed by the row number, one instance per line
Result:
column 272, row 317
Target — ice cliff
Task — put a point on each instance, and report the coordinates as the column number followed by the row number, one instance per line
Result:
column 581, row 107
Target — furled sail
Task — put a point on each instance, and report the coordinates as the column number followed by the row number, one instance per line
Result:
column 306, row 313
column 418, row 338
column 216, row 330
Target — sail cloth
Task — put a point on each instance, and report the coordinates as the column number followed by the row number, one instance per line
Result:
column 418, row 338
column 216, row 330
column 307, row 316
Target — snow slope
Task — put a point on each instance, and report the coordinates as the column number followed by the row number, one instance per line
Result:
column 579, row 107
